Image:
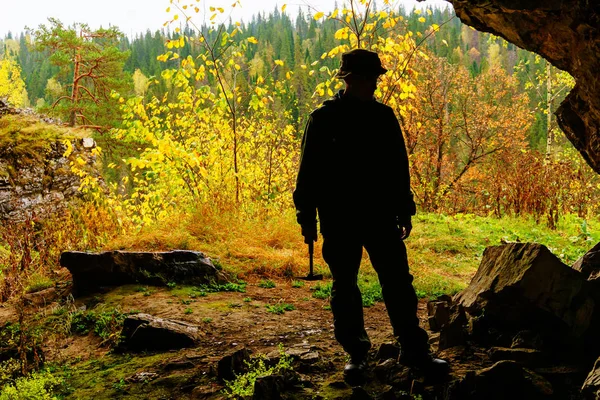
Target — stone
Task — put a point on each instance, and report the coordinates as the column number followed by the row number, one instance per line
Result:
column 589, row 264
column 564, row 32
column 297, row 352
column 205, row 392
column 523, row 286
column 144, row 332
column 454, row 333
column 528, row 339
column 527, row 357
column 384, row 369
column 359, row 393
column 268, row 387
column 91, row 271
column 503, row 380
column 439, row 314
column 233, row 364
column 88, row 143
column 41, row 298
column 142, row 377
column 514, row 379
column 387, row 393
column 591, row 386
column 310, row 358
column 176, row 365
column 388, row 350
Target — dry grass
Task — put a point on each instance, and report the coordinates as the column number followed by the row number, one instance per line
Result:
column 268, row 246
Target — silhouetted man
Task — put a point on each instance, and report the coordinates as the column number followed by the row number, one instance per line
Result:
column 354, row 171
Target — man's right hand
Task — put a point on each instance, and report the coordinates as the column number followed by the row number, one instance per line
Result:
column 309, row 231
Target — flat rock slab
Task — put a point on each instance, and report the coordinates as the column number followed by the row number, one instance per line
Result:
column 91, row 271
column 144, row 332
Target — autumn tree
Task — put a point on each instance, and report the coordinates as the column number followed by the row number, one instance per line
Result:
column 90, row 68
column 455, row 124
column 12, row 85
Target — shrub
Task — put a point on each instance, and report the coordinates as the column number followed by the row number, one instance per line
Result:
column 106, row 324
column 38, row 385
column 243, row 385
column 280, row 308
column 266, row 284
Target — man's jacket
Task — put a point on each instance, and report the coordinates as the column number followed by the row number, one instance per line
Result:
column 353, row 167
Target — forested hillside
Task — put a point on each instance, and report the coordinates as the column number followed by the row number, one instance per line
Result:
column 470, row 103
column 298, row 39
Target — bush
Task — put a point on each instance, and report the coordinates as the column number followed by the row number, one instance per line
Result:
column 107, row 324
column 266, row 284
column 38, row 385
column 243, row 385
column 280, row 308
column 322, row 292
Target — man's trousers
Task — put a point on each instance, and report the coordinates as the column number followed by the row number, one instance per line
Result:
column 342, row 251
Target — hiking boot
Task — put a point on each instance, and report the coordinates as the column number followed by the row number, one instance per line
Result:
column 355, row 372
column 429, row 366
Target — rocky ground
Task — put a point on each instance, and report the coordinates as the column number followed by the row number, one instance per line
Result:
column 525, row 328
column 229, row 323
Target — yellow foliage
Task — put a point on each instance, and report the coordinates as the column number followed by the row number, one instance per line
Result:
column 12, row 85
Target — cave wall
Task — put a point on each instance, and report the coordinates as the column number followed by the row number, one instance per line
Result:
column 566, row 33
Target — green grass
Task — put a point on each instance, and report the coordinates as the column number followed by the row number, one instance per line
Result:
column 445, row 251
column 104, row 322
column 239, row 287
column 280, row 308
column 37, row 282
column 321, row 291
column 266, row 284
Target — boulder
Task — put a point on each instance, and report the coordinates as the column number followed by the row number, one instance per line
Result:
column 591, row 386
column 268, row 387
column 233, row 364
column 142, row 377
column 439, row 314
column 528, row 340
column 503, row 380
column 144, row 332
column 453, row 333
column 91, row 271
column 523, row 286
column 387, row 351
column 384, row 369
column 589, row 264
column 41, row 298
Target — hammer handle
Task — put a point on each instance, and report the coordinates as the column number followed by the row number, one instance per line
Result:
column 311, row 253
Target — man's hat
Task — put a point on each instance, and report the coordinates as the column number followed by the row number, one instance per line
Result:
column 360, row 62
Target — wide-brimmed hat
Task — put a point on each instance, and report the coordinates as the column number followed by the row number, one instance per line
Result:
column 360, row 62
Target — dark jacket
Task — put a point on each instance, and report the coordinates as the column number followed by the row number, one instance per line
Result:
column 353, row 167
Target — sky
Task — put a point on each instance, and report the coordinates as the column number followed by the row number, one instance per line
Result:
column 137, row 16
